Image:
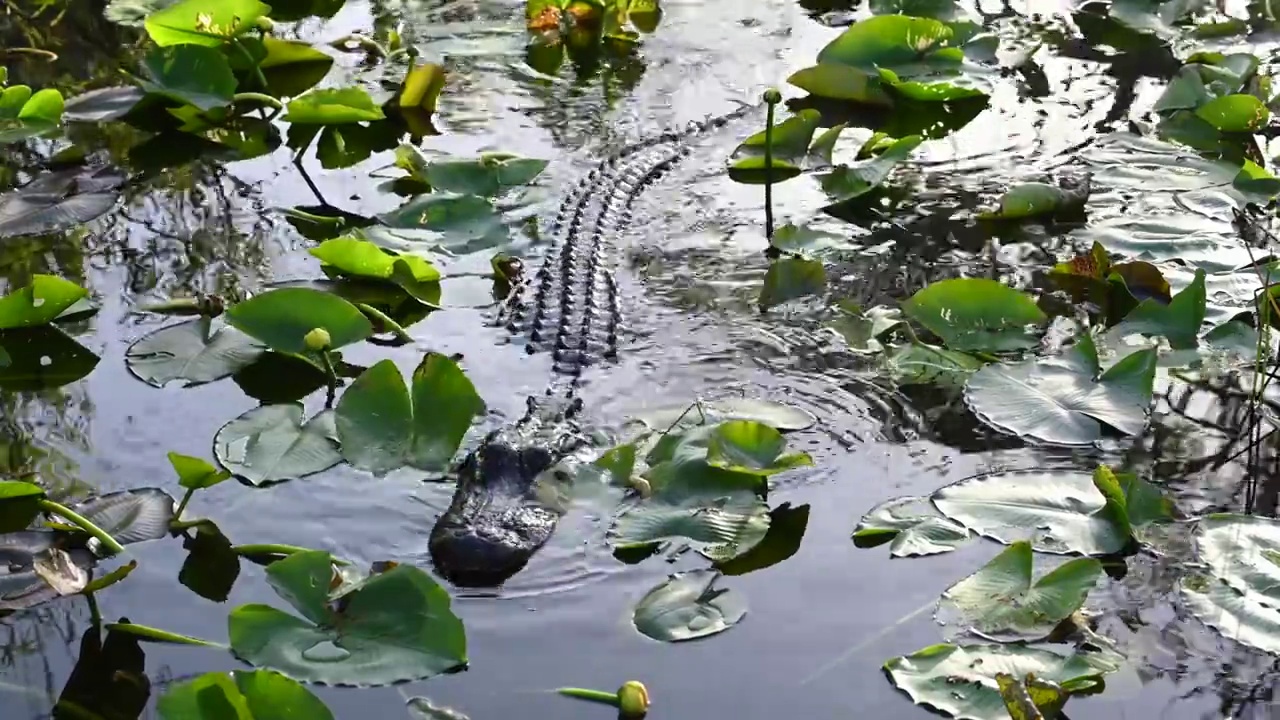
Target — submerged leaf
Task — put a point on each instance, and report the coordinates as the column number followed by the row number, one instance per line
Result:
column 792, row 278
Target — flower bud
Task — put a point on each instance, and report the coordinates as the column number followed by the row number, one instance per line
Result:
column 772, row 96
column 642, row 487
column 633, row 699
column 317, row 340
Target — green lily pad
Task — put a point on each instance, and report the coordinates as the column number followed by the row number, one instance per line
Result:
column 489, row 175
column 281, row 318
column 103, row 104
column 906, row 45
column 1035, row 199
column 257, row 695
column 383, row 426
column 19, row 504
column 363, row 259
column 1000, row 601
column 39, row 303
column 196, row 352
column 460, row 217
column 1058, row 512
column 333, row 106
column 1238, row 597
column 976, row 314
column 793, row 150
column 191, row 74
column 1063, row 399
column 290, row 67
column 753, row 448
column 394, row 626
column 688, row 607
column 45, row 106
column 842, row 82
column 1235, row 113
column 1179, row 320
column 917, row 363
column 774, row 414
column 790, row 279
column 196, row 473
column 130, row 516
column 787, row 526
column 271, row 444
column 914, row 527
column 848, row 182
column 961, row 679
column 203, row 22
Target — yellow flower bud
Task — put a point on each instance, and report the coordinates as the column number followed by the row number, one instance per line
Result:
column 633, row 699
column 318, row 340
column 772, row 96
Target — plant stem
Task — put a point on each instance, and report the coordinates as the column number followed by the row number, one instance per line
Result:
column 259, row 97
column 83, row 523
column 768, row 172
column 177, row 514
column 95, row 615
column 273, row 549
column 390, row 324
column 598, row 696
column 257, row 69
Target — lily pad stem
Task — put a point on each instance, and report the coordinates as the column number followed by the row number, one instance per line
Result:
column 272, row 549
column 597, row 696
column 257, row 69
column 83, row 523
column 177, row 514
column 387, row 322
column 95, row 615
column 701, row 415
column 258, row 97
column 331, row 377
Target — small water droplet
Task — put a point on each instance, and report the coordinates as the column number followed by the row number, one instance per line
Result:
column 45, row 361
column 325, row 652
column 37, row 302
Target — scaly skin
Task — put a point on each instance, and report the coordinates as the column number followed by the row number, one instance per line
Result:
column 504, row 509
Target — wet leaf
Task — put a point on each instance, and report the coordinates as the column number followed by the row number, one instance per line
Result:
column 792, row 278
column 363, row 259
column 487, row 176
column 787, row 526
column 392, row 627
column 203, row 22
column 906, row 45
column 271, row 444
column 240, row 695
column 1035, row 199
column 39, row 303
column 462, row 218
column 848, row 182
column 1179, row 320
column 103, row 105
column 290, row 67
column 195, row 352
column 774, row 414
column 382, row 425
column 333, row 106
column 19, row 504
column 976, row 314
column 842, row 82
column 1001, row 602
column 189, row 74
column 422, row 86
column 750, row 447
column 1062, row 399
column 1235, row 113
column 913, row 525
column 918, row 363
column 59, row 200
column 130, row 516
column 687, row 607
column 282, row 317
column 1238, row 597
column 960, row 679
column 793, row 150
column 196, row 473
column 619, row 462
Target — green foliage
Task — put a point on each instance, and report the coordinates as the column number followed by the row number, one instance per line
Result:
column 976, row 314
column 256, row 695
column 687, row 607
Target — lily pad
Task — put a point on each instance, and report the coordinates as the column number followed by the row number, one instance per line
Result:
column 1063, row 399
column 792, row 151
column 688, row 607
column 103, row 104
column 59, row 200
column 960, row 680
column 774, row 414
column 363, row 259
column 1036, row 199
column 750, row 447
column 130, row 516
column 976, row 314
column 256, row 695
column 189, row 74
column 1179, row 320
column 196, row 352
column 1239, row 596
column 463, row 218
column 787, row 526
column 42, row 357
column 201, row 22
column 1235, row 113
column 848, row 182
column 1000, row 601
column 196, row 473
column 39, row 303
column 914, row 527
column 1058, row 512
column 382, row 425
column 489, row 175
column 394, row 626
column 792, row 278
column 333, row 106
column 272, row 444
column 281, row 318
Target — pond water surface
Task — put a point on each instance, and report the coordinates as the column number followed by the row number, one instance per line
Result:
column 820, row 624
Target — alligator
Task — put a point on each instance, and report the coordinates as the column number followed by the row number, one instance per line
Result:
column 502, row 512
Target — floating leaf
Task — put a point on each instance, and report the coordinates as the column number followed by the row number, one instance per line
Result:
column 1239, row 597
column 1001, row 602
column 281, row 318
column 461, row 217
column 792, row 278
column 40, row 358
column 39, row 303
column 59, row 200
column 290, row 67
column 383, row 426
column 1235, row 113
column 1062, row 399
column 913, row 525
column 333, row 106
column 489, row 175
column 976, row 314
column 848, row 182
column 1179, row 320
column 1036, row 199
column 256, row 695
column 190, row 74
column 421, row 87
column 196, row 352
column 363, row 259
column 272, row 444
column 687, row 607
column 196, row 473
column 200, row 22
column 212, row 565
column 960, row 679
column 774, row 414
column 103, row 105
column 392, row 627
column 130, row 516
column 751, row 447
column 787, row 526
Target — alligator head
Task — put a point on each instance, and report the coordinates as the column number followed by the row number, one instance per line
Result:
column 507, row 502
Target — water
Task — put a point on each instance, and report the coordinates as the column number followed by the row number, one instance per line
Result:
column 820, row 624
